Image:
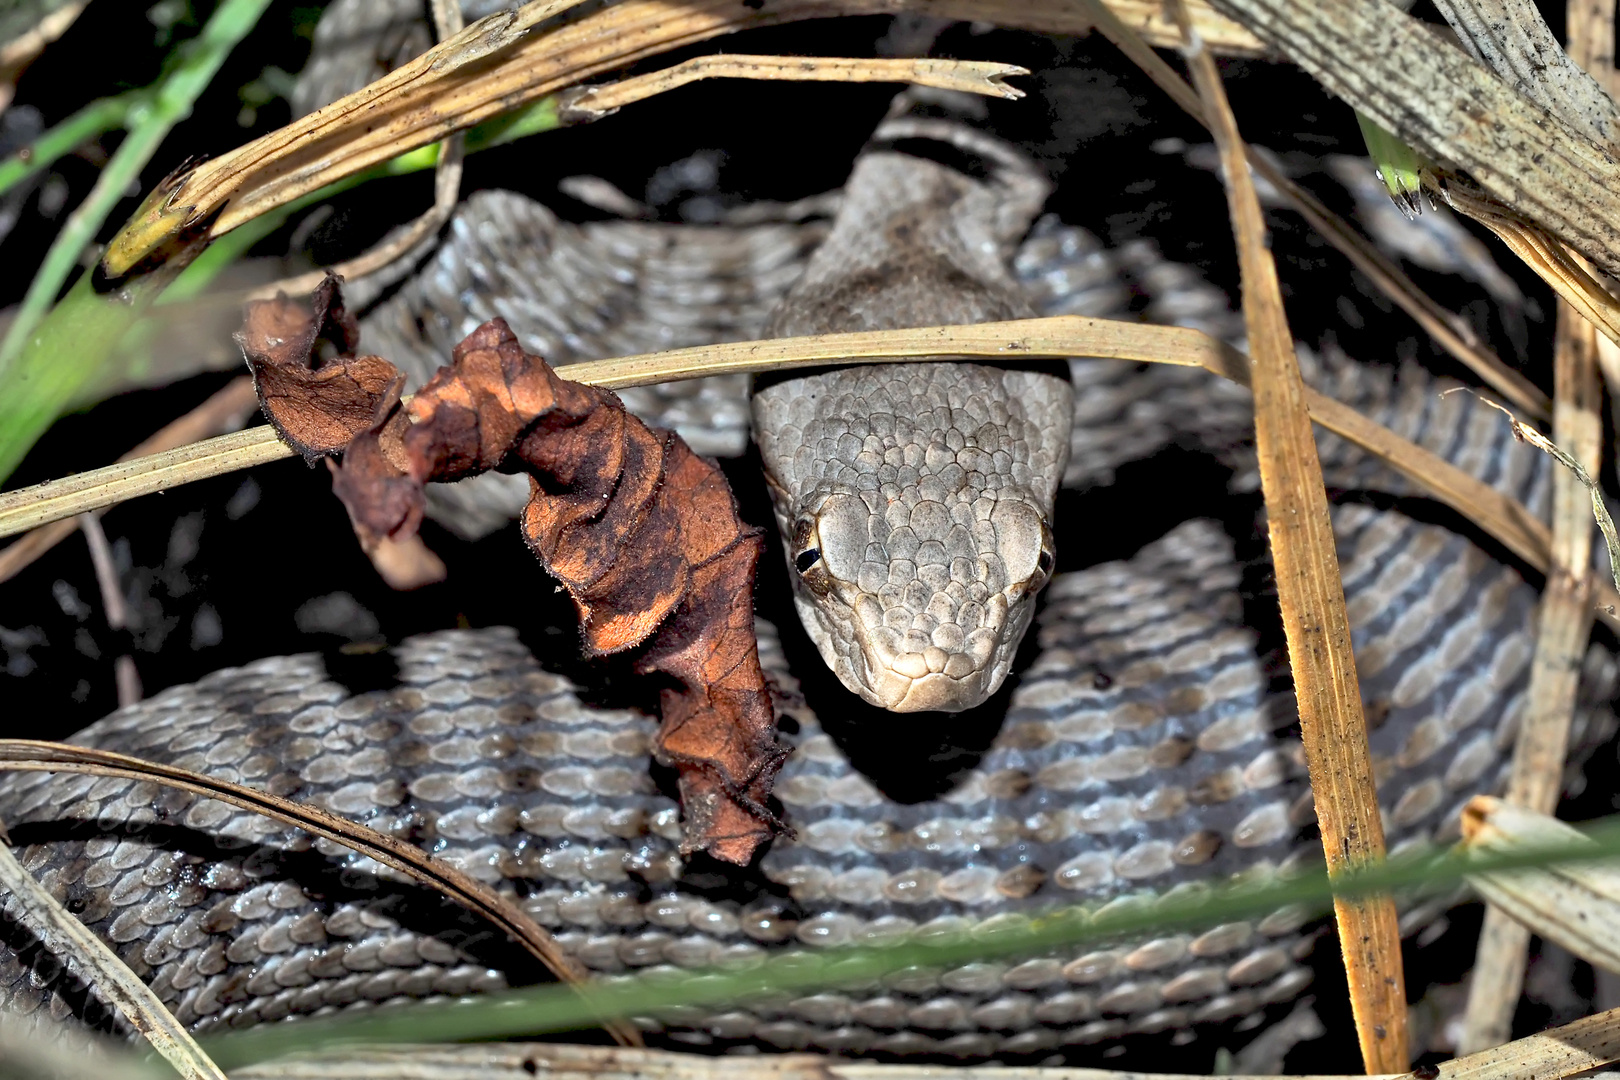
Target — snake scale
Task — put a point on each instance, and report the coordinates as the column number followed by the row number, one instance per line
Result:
column 1146, row 746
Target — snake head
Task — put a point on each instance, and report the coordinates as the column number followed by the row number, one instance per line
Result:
column 914, row 503
column 918, row 604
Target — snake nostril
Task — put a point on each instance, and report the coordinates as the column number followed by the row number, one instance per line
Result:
column 804, row 560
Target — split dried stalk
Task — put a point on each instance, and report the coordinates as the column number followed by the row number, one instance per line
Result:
column 1448, row 329
column 67, row 939
column 1565, row 624
column 1577, row 906
column 1311, row 595
column 448, row 88
column 447, row 170
column 1551, row 259
column 30, row 755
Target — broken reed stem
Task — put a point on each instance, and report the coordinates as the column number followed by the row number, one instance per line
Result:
column 1565, row 625
column 1057, row 337
column 29, row 755
column 1448, row 329
column 1453, row 110
column 1311, row 595
column 66, row 938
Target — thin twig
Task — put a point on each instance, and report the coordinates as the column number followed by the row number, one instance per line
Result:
column 1600, row 510
column 127, row 678
column 67, row 939
column 963, row 76
column 29, row 755
column 1310, row 593
column 1448, row 329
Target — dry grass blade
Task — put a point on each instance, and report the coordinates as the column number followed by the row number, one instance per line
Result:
column 1512, row 39
column 28, row 755
column 1311, row 595
column 492, row 67
column 1059, row 337
column 1449, row 330
column 67, row 939
column 225, row 409
column 447, row 170
column 1564, row 627
column 56, row 499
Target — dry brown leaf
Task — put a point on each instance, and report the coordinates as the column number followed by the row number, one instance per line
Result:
column 642, row 533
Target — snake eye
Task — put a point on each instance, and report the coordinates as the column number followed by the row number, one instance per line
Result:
column 804, row 560
column 1044, row 561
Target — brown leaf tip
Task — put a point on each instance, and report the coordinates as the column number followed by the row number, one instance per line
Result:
column 317, row 406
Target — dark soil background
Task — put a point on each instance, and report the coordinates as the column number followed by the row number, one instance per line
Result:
column 228, row 570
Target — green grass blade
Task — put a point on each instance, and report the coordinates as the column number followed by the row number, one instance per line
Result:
column 43, row 358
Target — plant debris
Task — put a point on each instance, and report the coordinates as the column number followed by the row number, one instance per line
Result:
column 642, row 533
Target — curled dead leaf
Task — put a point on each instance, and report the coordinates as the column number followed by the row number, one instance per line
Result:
column 642, row 533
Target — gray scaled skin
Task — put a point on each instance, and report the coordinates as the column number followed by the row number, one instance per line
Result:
column 915, row 499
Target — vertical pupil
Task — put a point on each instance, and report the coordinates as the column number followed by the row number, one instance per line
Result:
column 806, row 559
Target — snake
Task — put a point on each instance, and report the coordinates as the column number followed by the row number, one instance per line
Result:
column 1140, row 743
